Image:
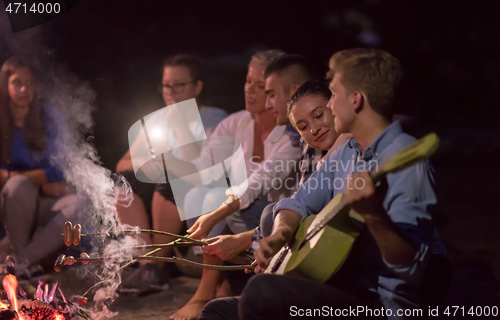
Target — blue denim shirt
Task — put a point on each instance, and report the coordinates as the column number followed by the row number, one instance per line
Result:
column 408, row 201
column 22, row 159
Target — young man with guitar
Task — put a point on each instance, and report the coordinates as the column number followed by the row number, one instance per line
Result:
column 382, row 274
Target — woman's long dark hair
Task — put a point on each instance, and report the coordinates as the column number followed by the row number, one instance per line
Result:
column 34, row 125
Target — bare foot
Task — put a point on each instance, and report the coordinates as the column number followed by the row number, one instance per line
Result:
column 191, row 310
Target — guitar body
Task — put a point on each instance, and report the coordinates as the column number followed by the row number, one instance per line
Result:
column 324, row 254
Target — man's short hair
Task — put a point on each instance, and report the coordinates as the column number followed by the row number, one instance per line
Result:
column 293, row 67
column 374, row 72
column 192, row 63
column 266, row 57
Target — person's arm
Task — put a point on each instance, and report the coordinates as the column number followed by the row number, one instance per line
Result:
column 403, row 228
column 368, row 202
column 285, row 225
column 37, row 176
column 204, row 224
column 229, row 246
column 4, row 176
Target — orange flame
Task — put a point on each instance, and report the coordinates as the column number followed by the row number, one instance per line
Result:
column 10, row 286
column 59, row 317
column 3, row 305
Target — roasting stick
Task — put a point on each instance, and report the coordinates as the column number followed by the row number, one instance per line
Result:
column 72, row 234
column 174, row 243
column 121, row 268
column 63, row 260
column 71, row 260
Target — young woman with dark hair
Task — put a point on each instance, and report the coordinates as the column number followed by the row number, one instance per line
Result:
column 34, row 193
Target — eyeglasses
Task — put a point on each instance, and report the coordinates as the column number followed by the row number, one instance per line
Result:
column 18, row 84
column 175, row 88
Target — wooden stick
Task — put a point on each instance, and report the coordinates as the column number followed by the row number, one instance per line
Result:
column 177, row 260
column 121, row 268
column 201, row 243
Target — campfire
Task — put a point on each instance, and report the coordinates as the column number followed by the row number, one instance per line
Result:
column 43, row 306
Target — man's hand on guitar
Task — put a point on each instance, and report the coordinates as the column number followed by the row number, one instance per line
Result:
column 362, row 196
column 257, row 268
column 268, row 247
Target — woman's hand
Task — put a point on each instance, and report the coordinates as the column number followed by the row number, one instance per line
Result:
column 205, row 223
column 226, row 246
column 202, row 227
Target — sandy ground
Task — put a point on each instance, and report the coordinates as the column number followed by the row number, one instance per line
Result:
column 131, row 306
column 472, row 286
column 156, row 306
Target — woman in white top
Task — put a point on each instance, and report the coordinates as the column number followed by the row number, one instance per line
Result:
column 266, row 150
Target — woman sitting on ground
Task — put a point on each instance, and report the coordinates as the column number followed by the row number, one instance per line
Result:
column 154, row 205
column 34, row 193
column 264, row 146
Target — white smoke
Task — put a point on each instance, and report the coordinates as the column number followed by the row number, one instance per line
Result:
column 73, row 98
column 77, row 157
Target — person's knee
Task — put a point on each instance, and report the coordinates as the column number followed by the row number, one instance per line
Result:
column 267, row 220
column 219, row 309
column 257, row 298
column 210, row 309
column 20, row 188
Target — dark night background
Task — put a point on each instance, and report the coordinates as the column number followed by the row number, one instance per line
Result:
column 450, row 51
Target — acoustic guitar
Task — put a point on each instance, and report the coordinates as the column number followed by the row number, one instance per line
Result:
column 323, row 241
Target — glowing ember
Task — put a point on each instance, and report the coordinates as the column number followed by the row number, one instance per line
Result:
column 10, row 286
column 34, row 310
column 3, row 305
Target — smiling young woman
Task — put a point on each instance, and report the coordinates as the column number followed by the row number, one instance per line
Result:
column 310, row 115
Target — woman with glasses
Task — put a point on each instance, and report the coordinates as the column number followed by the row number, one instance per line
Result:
column 153, row 205
column 33, row 188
